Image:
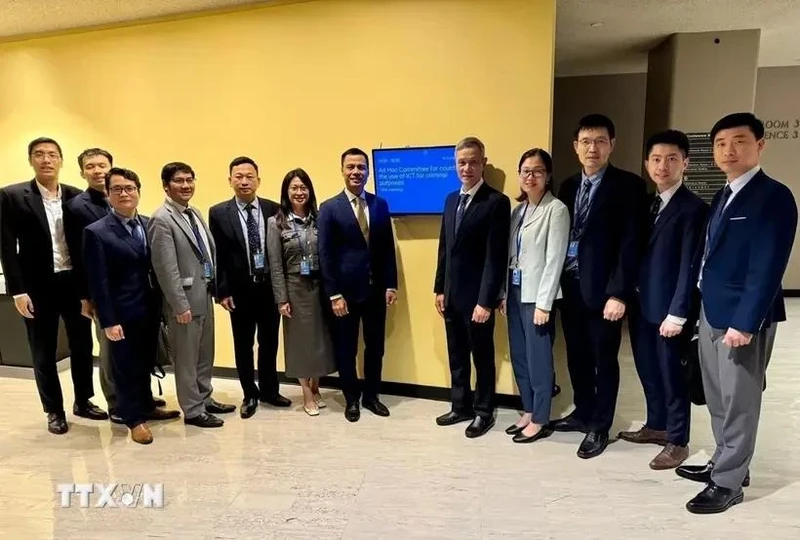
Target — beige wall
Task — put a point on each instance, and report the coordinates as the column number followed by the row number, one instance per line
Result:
column 622, row 97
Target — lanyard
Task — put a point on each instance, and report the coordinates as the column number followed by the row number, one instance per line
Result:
column 519, row 231
column 304, row 242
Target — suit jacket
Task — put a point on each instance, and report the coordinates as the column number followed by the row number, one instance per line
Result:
column 178, row 260
column 668, row 272
column 80, row 212
column 348, row 264
column 472, row 264
column 120, row 276
column 608, row 252
column 26, row 247
column 543, row 248
column 746, row 259
column 233, row 266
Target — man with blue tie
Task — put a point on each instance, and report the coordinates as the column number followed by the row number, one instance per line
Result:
column 747, row 246
column 662, row 313
column 123, row 289
column 359, row 274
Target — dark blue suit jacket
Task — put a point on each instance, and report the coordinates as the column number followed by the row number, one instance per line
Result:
column 347, row 263
column 741, row 285
column 121, row 280
column 668, row 272
column 80, row 212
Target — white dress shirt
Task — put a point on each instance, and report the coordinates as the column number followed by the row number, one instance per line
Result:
column 471, row 192
column 259, row 217
column 667, row 196
column 182, row 209
column 55, row 221
column 351, row 197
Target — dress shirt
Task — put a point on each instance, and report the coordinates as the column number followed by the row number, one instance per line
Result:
column 594, row 181
column 260, row 223
column 666, row 196
column 55, row 222
column 351, row 197
column 180, row 208
column 471, row 192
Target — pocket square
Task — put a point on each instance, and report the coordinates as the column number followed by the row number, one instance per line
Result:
column 740, row 218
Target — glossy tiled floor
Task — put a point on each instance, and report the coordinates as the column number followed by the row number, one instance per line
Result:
column 282, row 474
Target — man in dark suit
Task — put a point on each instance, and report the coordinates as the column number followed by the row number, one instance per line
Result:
column 662, row 314
column 470, row 273
column 605, row 205
column 747, row 246
column 243, row 285
column 359, row 274
column 123, row 289
column 38, row 271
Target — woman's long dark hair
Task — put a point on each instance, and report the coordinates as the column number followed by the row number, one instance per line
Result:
column 548, row 165
column 286, row 203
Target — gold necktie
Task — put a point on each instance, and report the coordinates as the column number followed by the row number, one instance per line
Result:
column 361, row 216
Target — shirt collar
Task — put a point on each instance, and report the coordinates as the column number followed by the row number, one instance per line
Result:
column 737, row 184
column 595, row 178
column 46, row 194
column 123, row 219
column 473, row 190
column 668, row 194
column 351, row 197
column 177, row 206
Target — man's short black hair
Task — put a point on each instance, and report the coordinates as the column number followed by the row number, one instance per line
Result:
column 242, row 160
column 596, row 121
column 127, row 174
column 740, row 119
column 92, row 152
column 169, row 171
column 670, row 136
column 354, row 152
column 43, row 140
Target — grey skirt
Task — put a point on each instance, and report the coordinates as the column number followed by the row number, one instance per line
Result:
column 307, row 344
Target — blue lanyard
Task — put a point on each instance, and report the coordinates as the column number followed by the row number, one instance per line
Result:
column 304, row 240
column 519, row 231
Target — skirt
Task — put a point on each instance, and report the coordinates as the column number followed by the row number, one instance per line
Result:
column 307, row 344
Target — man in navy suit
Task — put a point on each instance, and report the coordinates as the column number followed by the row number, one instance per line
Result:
column 662, row 321
column 123, row 288
column 747, row 246
column 359, row 274
column 470, row 273
column 605, row 205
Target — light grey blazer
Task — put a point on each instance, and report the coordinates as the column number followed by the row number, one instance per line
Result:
column 545, row 237
column 174, row 254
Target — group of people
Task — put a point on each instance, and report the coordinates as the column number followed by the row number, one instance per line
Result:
column 600, row 250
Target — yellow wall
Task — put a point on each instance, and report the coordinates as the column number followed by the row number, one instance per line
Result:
column 293, row 86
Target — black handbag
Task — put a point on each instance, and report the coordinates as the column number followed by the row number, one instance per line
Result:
column 692, row 373
column 164, row 356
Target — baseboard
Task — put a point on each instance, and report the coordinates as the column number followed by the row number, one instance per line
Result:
column 24, row 372
column 791, row 293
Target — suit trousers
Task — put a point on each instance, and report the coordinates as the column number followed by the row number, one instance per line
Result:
column 54, row 299
column 106, row 370
column 658, row 363
column 733, row 380
column 132, row 360
column 531, row 348
column 371, row 315
column 254, row 310
column 193, row 347
column 466, row 338
column 592, row 358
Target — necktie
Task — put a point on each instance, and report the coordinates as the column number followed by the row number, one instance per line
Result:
column 361, row 216
column 138, row 234
column 253, row 237
column 462, row 207
column 582, row 212
column 197, row 235
column 654, row 209
column 716, row 220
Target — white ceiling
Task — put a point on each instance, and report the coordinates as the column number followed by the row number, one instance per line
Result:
column 619, row 45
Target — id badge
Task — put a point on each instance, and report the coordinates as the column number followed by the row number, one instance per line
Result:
column 516, row 276
column 258, row 260
column 305, row 267
column 572, row 250
column 208, row 270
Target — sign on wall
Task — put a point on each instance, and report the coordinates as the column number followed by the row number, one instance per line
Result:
column 703, row 176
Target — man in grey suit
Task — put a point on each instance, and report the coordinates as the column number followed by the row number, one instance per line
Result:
column 184, row 260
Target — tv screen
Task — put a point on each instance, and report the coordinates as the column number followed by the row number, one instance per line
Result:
column 415, row 181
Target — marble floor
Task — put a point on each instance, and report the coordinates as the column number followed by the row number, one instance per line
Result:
column 282, row 474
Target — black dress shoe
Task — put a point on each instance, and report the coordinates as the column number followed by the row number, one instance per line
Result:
column 114, row 417
column 714, row 499
column 453, row 417
column 158, row 402
column 57, row 423
column 479, row 426
column 204, row 420
column 568, row 424
column 248, row 408
column 352, row 412
column 513, row 429
column 277, row 401
column 376, row 407
column 215, row 407
column 541, row 434
column 593, row 444
column 89, row 410
column 702, row 473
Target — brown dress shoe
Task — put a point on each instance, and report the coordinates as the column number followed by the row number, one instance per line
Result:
column 162, row 414
column 644, row 436
column 141, row 434
column 670, row 457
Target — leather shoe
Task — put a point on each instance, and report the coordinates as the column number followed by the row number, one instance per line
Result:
column 57, row 423
column 453, row 417
column 645, row 435
column 714, row 499
column 215, row 407
column 277, row 401
column 89, row 410
column 352, row 412
column 479, row 426
column 376, row 407
column 141, row 434
column 513, row 429
column 158, row 402
column 204, row 420
column 543, row 433
column 114, row 417
column 162, row 414
column 702, row 473
column 248, row 408
column 670, row 457
column 568, row 424
column 593, row 444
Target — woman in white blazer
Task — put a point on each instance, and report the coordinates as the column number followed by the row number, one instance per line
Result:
column 537, row 248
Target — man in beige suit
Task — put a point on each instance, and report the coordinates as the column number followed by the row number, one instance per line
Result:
column 183, row 257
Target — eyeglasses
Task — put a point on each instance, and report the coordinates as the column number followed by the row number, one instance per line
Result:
column 39, row 155
column 130, row 190
column 586, row 143
column 181, row 181
column 538, row 173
